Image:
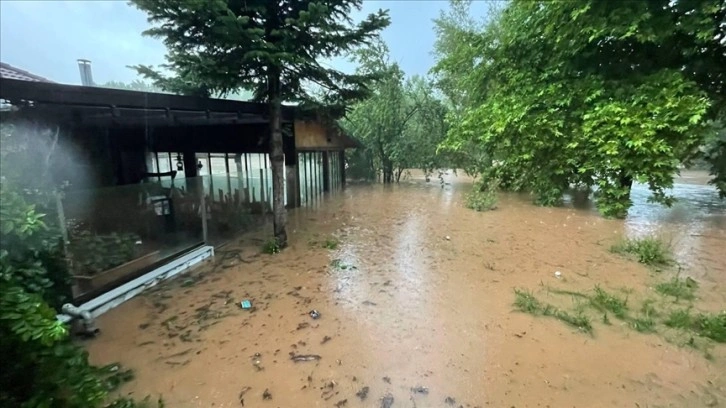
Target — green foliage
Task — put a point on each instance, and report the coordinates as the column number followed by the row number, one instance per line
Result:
column 610, row 303
column 330, row 243
column 271, row 247
column 678, row 288
column 709, row 325
column 680, row 319
column 483, row 197
column 648, row 250
column 526, row 302
column 41, row 363
column 572, row 93
column 400, row 125
column 92, row 254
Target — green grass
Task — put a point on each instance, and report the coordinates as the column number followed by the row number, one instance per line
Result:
column 330, row 243
column 607, row 302
column 271, row 246
column 643, row 324
column 678, row 288
column 526, row 302
column 650, row 251
column 712, row 326
column 679, row 319
column 709, row 325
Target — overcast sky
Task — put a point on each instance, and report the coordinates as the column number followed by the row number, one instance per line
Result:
column 47, row 37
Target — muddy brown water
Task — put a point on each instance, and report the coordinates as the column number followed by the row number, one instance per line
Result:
column 403, row 306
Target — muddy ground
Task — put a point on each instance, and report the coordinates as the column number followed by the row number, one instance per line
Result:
column 416, row 310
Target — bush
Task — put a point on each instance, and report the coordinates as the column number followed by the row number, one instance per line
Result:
column 483, row 196
column 649, row 250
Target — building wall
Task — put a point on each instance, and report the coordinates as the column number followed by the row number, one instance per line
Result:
column 315, row 136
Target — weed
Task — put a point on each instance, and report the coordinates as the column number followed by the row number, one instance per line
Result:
column 578, row 320
column 678, row 288
column 526, row 302
column 643, row 324
column 271, row 246
column 712, row 326
column 607, row 302
column 649, row 250
column 605, row 319
column 679, row 319
column 330, row 243
column 709, row 325
column 483, row 196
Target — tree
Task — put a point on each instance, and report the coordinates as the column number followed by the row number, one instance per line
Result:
column 135, row 85
column 400, row 125
column 274, row 49
column 593, row 93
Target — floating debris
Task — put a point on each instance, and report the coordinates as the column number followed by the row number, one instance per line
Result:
column 326, row 339
column 420, row 390
column 363, row 393
column 387, row 380
column 242, row 395
column 303, row 325
column 314, row 314
column 267, row 395
column 245, row 304
column 305, row 357
column 369, row 303
column 341, row 403
column 450, row 401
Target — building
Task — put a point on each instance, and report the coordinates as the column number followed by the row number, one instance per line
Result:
column 163, row 175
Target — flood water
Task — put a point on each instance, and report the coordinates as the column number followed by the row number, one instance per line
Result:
column 419, row 293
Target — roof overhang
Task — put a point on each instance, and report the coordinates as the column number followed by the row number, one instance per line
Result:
column 95, row 106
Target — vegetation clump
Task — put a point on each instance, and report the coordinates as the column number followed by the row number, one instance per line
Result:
column 271, row 246
column 483, row 196
column 678, row 288
column 650, row 251
column 526, row 302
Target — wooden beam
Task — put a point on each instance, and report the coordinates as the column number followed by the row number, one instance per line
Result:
column 17, row 91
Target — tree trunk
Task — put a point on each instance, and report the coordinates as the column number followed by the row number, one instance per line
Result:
column 277, row 158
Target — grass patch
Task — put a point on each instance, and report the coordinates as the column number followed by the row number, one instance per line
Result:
column 331, row 244
column 483, row 197
column 678, row 288
column 607, row 302
column 712, row 326
column 526, row 302
column 643, row 324
column 650, row 251
column 680, row 319
column 709, row 325
column 271, row 246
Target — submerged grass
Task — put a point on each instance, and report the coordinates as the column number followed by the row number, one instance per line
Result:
column 709, row 325
column 607, row 302
column 678, row 288
column 526, row 302
column 650, row 251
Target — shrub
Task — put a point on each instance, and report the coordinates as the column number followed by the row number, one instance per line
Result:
column 483, row 196
column 649, row 250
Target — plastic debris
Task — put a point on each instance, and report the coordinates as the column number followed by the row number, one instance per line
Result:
column 314, row 314
column 245, row 304
column 558, row 275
